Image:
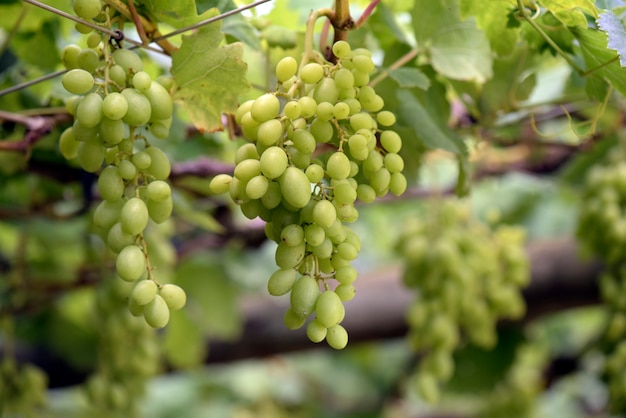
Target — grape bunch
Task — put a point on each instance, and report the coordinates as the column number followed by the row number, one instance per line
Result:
column 23, row 388
column 115, row 104
column 467, row 277
column 317, row 144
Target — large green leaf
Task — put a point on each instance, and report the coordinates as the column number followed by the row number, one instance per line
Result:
column 571, row 12
column 458, row 49
column 209, row 76
column 615, row 32
column 184, row 345
column 177, row 13
column 490, row 16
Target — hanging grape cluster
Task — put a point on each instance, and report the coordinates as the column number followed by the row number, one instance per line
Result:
column 467, row 277
column 602, row 229
column 318, row 143
column 23, row 388
column 115, row 104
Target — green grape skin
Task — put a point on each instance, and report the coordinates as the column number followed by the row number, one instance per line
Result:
column 385, row 118
column 139, row 108
column 346, row 274
column 243, row 109
column 344, row 193
column 220, row 183
column 281, row 281
column 87, row 9
column 315, row 173
column 269, row 132
column 322, row 130
column 249, row 126
column 361, row 121
column 393, row 162
column 344, row 79
column 304, row 296
column 112, row 132
column 160, row 211
column 157, row 313
column 363, row 63
column 292, row 235
column 88, row 60
column 68, row 145
column 130, row 263
column 360, row 78
column 397, row 184
column 374, row 161
column 114, row 106
column 141, row 160
column 338, row 166
column 144, row 292
column 117, row 75
column 292, row 110
column 245, row 152
column 324, row 213
column 272, row 196
column 295, row 187
column 308, row 107
column 391, row 141
column 337, row 337
column 329, row 309
column 366, row 193
column 292, row 320
column 311, row 73
column 326, row 91
column 107, row 213
column 341, row 49
column 128, row 60
column 257, row 187
column 118, row 239
column 160, row 166
column 380, row 180
column 84, row 29
column 341, row 110
column 325, row 111
column 273, row 162
column 158, row 190
column 265, row 107
column 110, row 184
column 299, row 159
column 134, row 216
column 314, row 235
column 286, row 68
column 357, row 145
column 247, row 169
column 77, row 81
column 345, row 291
column 84, row 134
column 289, row 256
column 427, row 387
column 93, row 41
column 315, row 331
column 304, row 141
column 160, row 100
column 142, row 80
column 174, row 296
column 347, row 251
column 91, row 155
column 69, row 56
column 324, row 250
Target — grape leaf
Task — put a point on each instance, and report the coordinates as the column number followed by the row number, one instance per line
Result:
column 614, row 28
column 209, row 77
column 410, row 78
column 488, row 16
column 458, row 49
column 177, row 13
column 183, row 343
column 571, row 12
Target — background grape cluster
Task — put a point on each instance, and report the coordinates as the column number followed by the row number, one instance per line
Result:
column 318, row 143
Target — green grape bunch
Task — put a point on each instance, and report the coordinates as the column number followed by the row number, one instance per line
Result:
column 115, row 104
column 467, row 277
column 319, row 143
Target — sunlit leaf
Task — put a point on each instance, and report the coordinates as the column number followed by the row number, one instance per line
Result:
column 616, row 33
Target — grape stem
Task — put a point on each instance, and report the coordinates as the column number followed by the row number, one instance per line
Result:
column 309, row 55
column 137, row 21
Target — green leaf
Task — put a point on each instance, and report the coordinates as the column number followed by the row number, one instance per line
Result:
column 433, row 135
column 593, row 44
column 177, row 13
column 458, row 49
column 571, row 12
column 38, row 47
column 614, row 28
column 183, row 344
column 385, row 27
column 409, row 78
column 200, row 218
column 209, row 77
column 490, row 18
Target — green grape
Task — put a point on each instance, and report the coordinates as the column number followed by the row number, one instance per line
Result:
column 130, row 263
column 110, row 184
column 303, row 141
column 314, row 235
column 111, row 131
column 393, row 162
column 329, row 309
column 337, row 337
column 391, row 141
column 69, row 56
column 341, row 110
column 87, row 9
column 316, row 331
column 295, row 187
column 324, row 213
column 117, row 75
column 380, row 180
column 345, row 291
column 341, row 49
column 142, row 80
column 308, row 107
column 346, row 274
column 157, row 313
column 354, row 105
column 360, row 78
column 160, row 166
column 303, row 297
column 289, row 256
column 338, row 166
column 245, row 152
column 139, row 108
column 161, row 128
column 281, row 281
column 264, row 108
column 68, row 145
column 118, row 239
column 397, row 184
column 315, row 173
column 273, row 162
column 363, row 63
column 158, row 190
column 91, row 155
column 160, row 211
column 160, row 102
column 347, row 251
column 311, row 73
column 325, row 111
column 427, row 387
column 374, row 161
column 385, row 118
column 257, row 187
column 286, row 68
column 93, row 41
column 324, row 250
column 361, row 121
column 141, row 160
column 344, row 193
column 292, row 235
column 322, row 130
column 272, row 196
column 84, row 29
column 358, row 147
column 88, row 60
column 77, row 81
column 128, row 60
column 269, row 132
column 107, row 213
column 292, row 110
column 134, row 216
column 292, row 320
column 144, row 292
column 84, row 134
column 344, row 79
column 114, row 106
column 326, row 91
column 174, row 296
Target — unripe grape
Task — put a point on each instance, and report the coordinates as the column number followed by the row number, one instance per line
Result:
column 380, row 180
column 142, row 80
column 272, row 196
column 141, row 160
column 315, row 173
column 91, row 155
column 286, row 68
column 385, row 118
column 397, row 184
column 77, row 81
column 315, row 331
column 139, row 108
column 341, row 110
column 311, row 73
column 107, row 213
column 322, row 130
column 245, row 152
column 157, row 313
column 134, row 216
column 326, row 91
column 304, row 141
column 87, row 9
column 111, row 131
column 115, row 106
column 269, row 132
column 346, row 274
column 391, row 141
column 174, row 296
column 273, row 162
column 366, row 193
column 292, row 320
column 289, row 256
column 338, row 166
column 361, row 121
column 68, row 145
column 93, row 41
column 337, row 337
column 344, row 193
column 373, row 162
column 281, row 281
column 88, row 60
column 160, row 212
column 314, row 235
column 158, row 190
column 118, row 75
column 130, row 263
column 345, row 291
column 303, row 296
column 363, row 63
column 292, row 110
column 341, row 49
column 110, row 184
column 160, row 100
column 325, row 111
column 160, row 166
column 118, row 239
column 295, row 187
column 69, row 56
column 128, row 60
column 292, row 235
column 265, row 107
column 324, row 250
column 144, row 292
column 329, row 309
column 308, row 106
column 324, row 213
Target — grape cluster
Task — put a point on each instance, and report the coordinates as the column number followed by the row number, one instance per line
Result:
column 318, row 143
column 602, row 230
column 115, row 103
column 467, row 277
column 23, row 388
